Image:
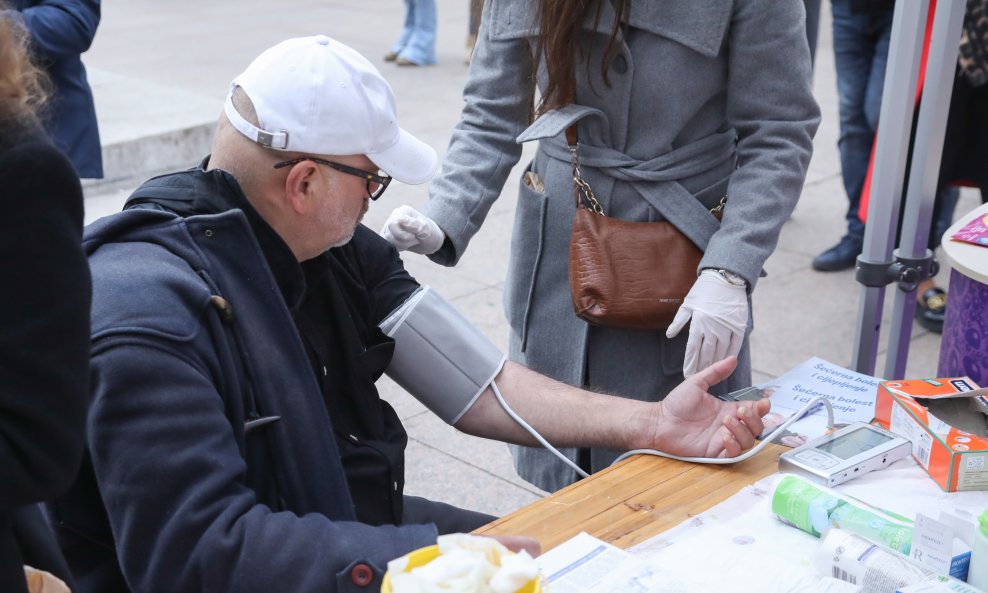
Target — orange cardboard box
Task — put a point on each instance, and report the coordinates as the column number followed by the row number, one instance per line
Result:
column 956, row 460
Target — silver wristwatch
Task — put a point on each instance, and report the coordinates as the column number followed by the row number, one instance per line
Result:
column 731, row 278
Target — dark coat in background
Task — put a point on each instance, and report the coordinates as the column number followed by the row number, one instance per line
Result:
column 62, row 30
column 44, row 345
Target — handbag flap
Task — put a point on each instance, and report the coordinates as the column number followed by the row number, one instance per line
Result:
column 630, row 275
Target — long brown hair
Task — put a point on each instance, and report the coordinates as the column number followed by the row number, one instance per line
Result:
column 558, row 45
column 23, row 86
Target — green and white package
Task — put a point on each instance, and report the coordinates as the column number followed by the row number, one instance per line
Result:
column 815, row 509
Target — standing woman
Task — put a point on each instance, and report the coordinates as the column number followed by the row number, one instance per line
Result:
column 676, row 102
column 44, row 313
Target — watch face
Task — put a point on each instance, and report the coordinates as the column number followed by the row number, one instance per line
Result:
column 733, row 278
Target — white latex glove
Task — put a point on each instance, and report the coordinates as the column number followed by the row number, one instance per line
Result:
column 720, row 315
column 407, row 228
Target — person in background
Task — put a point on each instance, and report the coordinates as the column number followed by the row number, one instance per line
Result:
column 861, row 32
column 965, row 147
column 237, row 440
column 416, row 46
column 679, row 107
column 44, row 313
column 61, row 31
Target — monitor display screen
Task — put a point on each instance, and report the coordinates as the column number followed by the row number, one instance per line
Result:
column 854, row 443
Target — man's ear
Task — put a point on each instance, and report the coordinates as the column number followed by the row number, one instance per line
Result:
column 299, row 186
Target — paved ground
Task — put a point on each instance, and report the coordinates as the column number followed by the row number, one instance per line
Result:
column 160, row 71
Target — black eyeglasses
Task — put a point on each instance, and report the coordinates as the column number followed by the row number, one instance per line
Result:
column 376, row 184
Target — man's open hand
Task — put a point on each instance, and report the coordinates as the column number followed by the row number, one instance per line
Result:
column 693, row 423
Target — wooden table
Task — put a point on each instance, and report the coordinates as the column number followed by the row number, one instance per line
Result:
column 634, row 500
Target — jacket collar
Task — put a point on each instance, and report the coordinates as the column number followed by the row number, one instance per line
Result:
column 697, row 24
column 200, row 191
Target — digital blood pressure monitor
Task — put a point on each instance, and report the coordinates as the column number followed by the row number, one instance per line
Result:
column 845, row 454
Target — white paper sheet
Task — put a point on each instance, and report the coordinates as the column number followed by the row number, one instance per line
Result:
column 851, row 394
column 739, row 545
column 585, row 564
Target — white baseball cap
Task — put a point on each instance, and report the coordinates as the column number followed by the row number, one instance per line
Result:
column 315, row 95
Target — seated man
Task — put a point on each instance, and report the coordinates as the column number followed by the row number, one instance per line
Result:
column 236, row 439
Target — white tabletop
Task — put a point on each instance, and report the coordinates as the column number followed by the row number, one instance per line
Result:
column 967, row 258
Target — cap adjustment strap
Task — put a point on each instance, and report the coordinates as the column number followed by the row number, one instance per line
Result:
column 275, row 140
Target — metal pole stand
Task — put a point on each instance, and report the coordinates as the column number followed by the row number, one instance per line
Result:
column 877, row 265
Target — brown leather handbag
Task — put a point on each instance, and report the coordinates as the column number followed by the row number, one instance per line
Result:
column 627, row 275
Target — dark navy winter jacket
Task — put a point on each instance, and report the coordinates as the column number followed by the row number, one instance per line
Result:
column 192, row 340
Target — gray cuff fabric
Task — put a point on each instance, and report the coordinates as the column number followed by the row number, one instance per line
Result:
column 440, row 358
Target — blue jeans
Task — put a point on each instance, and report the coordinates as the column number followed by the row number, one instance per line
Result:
column 861, row 45
column 418, row 38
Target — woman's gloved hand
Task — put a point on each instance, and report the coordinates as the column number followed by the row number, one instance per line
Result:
column 719, row 312
column 408, row 229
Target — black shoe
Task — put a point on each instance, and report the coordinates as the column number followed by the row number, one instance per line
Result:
column 931, row 309
column 841, row 256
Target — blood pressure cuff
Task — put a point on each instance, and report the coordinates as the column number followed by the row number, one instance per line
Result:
column 440, row 357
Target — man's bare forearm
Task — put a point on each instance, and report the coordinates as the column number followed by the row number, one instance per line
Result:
column 564, row 415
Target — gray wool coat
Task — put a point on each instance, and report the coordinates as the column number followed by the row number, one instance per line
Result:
column 706, row 98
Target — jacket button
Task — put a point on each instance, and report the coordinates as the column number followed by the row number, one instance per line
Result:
column 620, row 64
column 224, row 308
column 361, row 575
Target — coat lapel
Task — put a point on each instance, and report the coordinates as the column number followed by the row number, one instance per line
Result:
column 698, row 24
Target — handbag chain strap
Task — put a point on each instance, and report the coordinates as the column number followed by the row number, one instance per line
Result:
column 581, row 189
column 583, row 192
